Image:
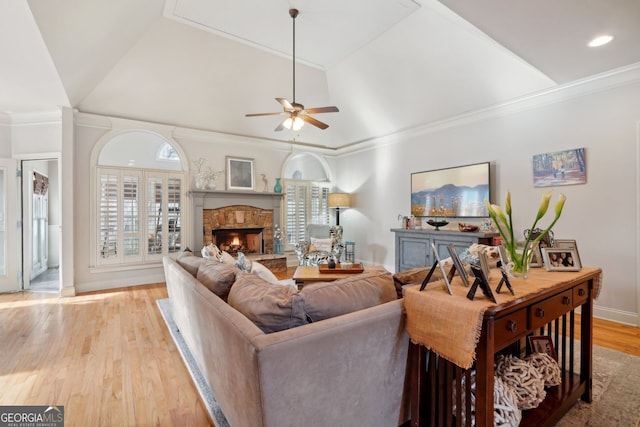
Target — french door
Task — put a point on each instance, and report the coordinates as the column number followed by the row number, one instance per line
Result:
column 8, row 227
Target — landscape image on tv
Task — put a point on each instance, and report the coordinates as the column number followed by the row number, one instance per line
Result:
column 451, row 192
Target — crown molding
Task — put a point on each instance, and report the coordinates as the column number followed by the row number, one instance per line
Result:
column 30, row 118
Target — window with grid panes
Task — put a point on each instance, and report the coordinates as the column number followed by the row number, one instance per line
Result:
column 306, row 203
column 128, row 198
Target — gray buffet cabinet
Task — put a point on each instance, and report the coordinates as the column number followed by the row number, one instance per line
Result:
column 413, row 247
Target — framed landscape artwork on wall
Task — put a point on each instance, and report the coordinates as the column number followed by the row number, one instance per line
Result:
column 559, row 168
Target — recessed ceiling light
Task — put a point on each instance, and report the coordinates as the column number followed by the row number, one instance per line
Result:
column 600, row 40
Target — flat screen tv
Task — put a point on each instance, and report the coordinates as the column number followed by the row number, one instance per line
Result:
column 456, row 192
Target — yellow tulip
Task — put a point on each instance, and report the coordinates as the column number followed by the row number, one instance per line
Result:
column 544, row 205
column 560, row 205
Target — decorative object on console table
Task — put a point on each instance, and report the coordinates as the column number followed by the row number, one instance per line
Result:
column 278, row 187
column 437, row 223
column 239, row 173
column 519, row 260
column 337, row 201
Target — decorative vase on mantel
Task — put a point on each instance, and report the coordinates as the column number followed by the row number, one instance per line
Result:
column 278, row 187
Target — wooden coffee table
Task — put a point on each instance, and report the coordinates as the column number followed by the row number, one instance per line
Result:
column 305, row 274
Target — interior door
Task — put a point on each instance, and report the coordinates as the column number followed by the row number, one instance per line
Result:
column 8, row 227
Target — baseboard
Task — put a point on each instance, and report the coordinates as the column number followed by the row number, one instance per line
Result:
column 620, row 316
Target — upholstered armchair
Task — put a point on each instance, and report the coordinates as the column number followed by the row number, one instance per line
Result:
column 322, row 242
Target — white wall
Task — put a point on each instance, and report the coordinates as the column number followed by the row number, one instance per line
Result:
column 601, row 215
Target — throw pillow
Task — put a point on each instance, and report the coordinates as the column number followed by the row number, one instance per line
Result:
column 211, row 251
column 329, row 299
column 243, row 263
column 189, row 262
column 320, row 245
column 218, row 277
column 270, row 308
column 263, row 272
column 227, row 258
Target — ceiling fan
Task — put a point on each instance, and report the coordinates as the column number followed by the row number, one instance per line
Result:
column 296, row 114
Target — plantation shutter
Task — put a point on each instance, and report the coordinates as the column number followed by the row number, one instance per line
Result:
column 306, row 203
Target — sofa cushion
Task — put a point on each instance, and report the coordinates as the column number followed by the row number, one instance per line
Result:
column 189, row 262
column 271, row 308
column 329, row 299
column 217, row 276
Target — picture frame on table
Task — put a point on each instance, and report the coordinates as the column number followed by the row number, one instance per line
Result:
column 240, row 174
column 561, row 259
column 568, row 244
column 445, row 278
column 543, row 344
column 536, row 258
column 458, row 264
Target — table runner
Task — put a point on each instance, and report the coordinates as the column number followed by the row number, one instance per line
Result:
column 451, row 325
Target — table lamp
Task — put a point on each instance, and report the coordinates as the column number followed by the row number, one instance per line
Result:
column 337, row 201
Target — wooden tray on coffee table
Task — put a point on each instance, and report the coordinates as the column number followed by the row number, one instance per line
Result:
column 354, row 269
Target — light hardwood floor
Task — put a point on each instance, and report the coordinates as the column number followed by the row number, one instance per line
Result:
column 109, row 359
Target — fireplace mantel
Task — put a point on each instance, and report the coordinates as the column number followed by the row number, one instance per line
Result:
column 202, row 199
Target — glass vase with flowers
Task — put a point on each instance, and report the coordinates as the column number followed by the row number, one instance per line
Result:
column 520, row 256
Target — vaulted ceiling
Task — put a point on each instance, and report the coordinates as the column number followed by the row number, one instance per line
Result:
column 388, row 65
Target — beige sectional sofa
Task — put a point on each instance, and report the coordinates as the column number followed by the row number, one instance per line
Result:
column 320, row 368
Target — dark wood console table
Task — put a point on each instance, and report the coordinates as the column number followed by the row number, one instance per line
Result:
column 437, row 384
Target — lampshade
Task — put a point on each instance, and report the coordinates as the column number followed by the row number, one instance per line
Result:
column 339, row 200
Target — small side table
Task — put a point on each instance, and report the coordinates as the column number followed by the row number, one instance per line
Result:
column 350, row 251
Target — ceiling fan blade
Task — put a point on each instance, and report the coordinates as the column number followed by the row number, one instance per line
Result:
column 285, row 104
column 322, row 110
column 264, row 114
column 315, row 122
column 280, row 126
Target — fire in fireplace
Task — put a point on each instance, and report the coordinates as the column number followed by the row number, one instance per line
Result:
column 233, row 240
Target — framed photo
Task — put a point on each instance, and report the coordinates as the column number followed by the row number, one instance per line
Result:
column 568, row 244
column 561, row 259
column 547, row 241
column 239, row 173
column 458, row 264
column 536, row 258
column 447, row 285
column 484, row 265
column 542, row 344
column 567, row 167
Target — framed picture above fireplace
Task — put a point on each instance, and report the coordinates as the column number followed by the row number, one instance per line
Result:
column 239, row 174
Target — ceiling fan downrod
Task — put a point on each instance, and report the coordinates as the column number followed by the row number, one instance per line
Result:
column 294, row 13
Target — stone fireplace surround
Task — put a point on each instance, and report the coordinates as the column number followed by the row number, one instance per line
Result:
column 226, row 209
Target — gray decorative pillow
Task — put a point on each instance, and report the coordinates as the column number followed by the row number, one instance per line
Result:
column 217, row 276
column 189, row 262
column 330, row 299
column 271, row 308
column 243, row 263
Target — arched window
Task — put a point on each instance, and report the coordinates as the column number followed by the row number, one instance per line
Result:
column 139, row 187
column 307, row 182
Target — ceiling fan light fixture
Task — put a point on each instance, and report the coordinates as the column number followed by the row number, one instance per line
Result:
column 600, row 40
column 293, row 123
